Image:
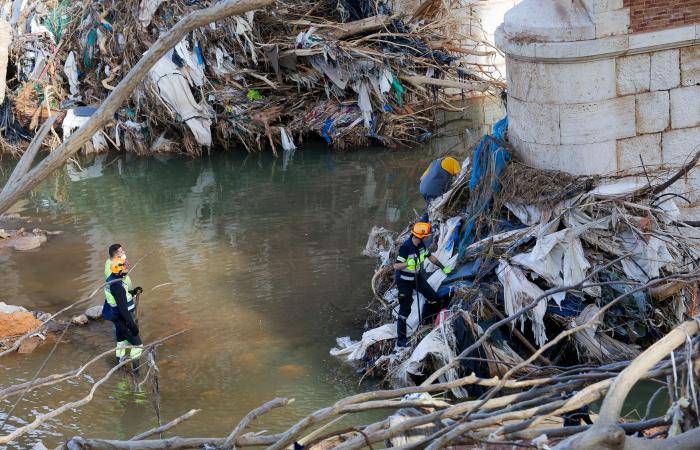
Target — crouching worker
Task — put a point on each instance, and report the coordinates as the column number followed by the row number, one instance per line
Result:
column 409, row 278
column 119, row 308
column 437, row 178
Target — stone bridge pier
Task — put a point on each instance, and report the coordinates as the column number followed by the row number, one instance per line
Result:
column 597, row 86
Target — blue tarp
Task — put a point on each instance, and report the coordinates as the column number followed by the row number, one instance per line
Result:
column 489, row 160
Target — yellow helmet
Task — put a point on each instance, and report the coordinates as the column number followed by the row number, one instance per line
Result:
column 451, row 165
column 118, row 265
column 421, row 230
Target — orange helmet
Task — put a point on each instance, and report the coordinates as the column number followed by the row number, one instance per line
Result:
column 421, row 230
column 118, row 265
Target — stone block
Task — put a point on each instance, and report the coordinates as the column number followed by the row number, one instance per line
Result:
column 598, row 122
column 673, row 37
column 534, row 122
column 611, row 23
column 690, row 65
column 685, row 107
column 581, row 82
column 633, row 74
column 598, row 6
column 679, row 146
column 648, row 146
column 652, row 112
column 665, row 70
column 610, row 45
column 589, row 159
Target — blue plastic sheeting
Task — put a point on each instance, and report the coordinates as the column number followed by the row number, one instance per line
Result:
column 489, row 152
column 454, row 239
column 570, row 307
column 327, row 125
column 468, row 270
column 489, row 160
column 462, row 276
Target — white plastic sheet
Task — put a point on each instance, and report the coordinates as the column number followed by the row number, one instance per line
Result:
column 446, row 252
column 363, row 101
column 529, row 214
column 175, row 92
column 438, row 344
column 650, row 255
column 518, row 292
column 192, row 69
column 70, row 68
column 146, row 11
column 352, row 351
column 287, row 141
column 559, row 259
column 72, row 122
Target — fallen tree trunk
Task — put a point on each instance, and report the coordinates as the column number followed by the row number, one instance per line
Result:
column 126, row 86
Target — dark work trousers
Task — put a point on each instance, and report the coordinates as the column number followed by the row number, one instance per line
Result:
column 123, row 333
column 430, row 308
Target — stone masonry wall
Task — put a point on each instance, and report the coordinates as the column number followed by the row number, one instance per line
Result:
column 646, row 105
column 652, row 15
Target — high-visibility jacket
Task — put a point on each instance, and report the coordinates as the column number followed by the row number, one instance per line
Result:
column 413, row 256
column 110, row 310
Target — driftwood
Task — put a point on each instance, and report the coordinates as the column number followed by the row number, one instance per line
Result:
column 420, row 80
column 163, row 428
column 605, row 433
column 40, row 419
column 468, row 422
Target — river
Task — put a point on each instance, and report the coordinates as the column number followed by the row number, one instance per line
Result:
column 257, row 258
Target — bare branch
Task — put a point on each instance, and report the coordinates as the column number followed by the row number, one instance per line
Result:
column 251, row 416
column 167, row 426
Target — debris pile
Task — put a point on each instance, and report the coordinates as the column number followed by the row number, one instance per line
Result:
column 352, row 72
column 574, row 270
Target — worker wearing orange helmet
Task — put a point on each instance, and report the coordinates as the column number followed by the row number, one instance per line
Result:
column 119, row 305
column 408, row 265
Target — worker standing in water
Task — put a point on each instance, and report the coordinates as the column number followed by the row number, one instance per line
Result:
column 437, row 178
column 409, row 278
column 119, row 306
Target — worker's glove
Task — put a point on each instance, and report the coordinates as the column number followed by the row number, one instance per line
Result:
column 447, row 270
column 136, row 291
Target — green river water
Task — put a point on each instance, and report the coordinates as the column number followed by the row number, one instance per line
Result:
column 258, row 258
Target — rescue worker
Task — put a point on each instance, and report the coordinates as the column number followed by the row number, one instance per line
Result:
column 437, row 177
column 409, row 278
column 119, row 308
